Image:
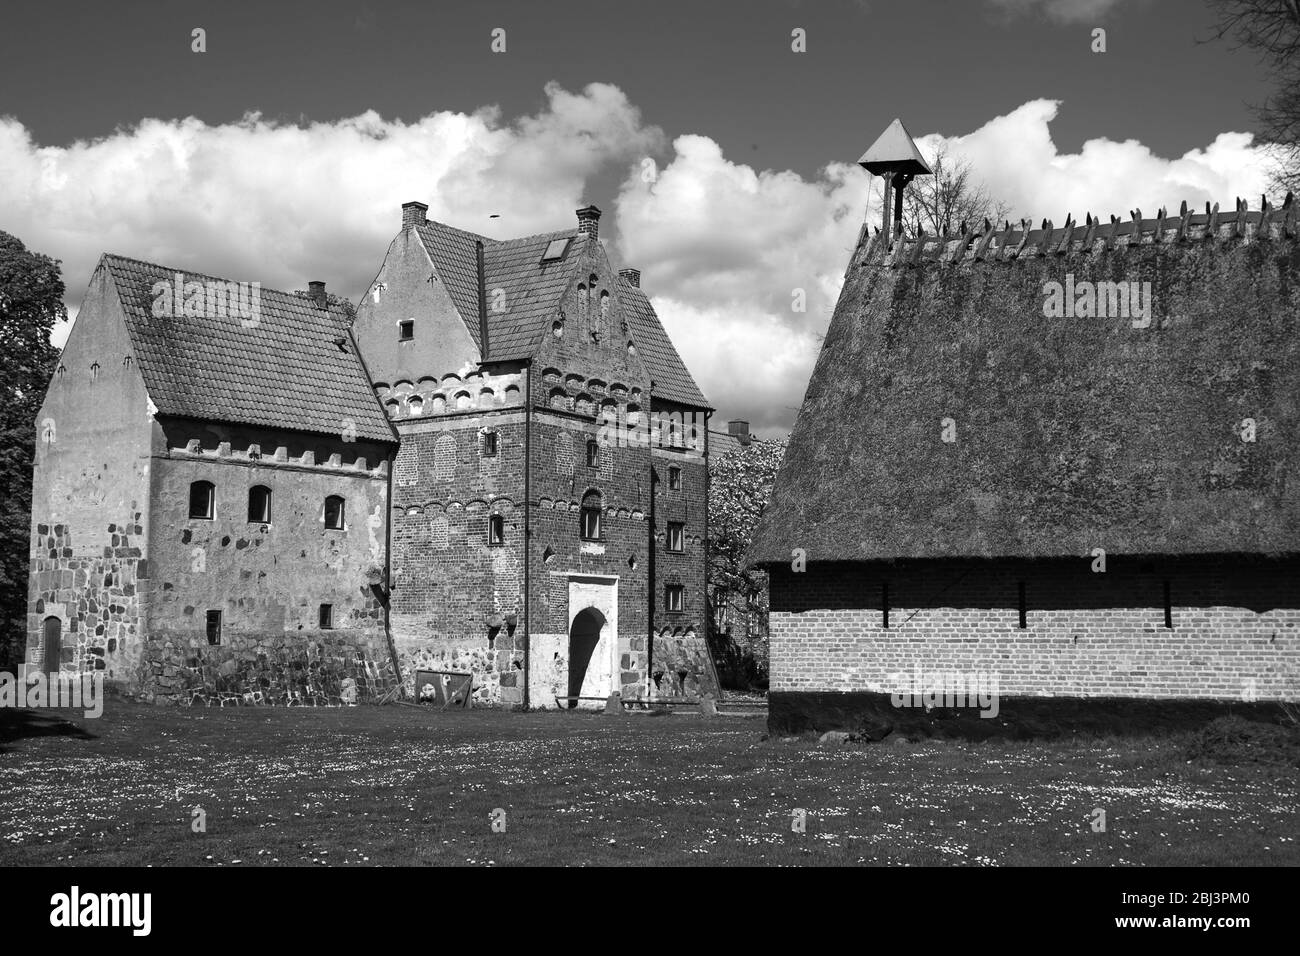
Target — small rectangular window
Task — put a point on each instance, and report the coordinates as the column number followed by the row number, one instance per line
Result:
column 214, row 628
column 674, row 478
column 334, row 513
column 326, row 616
column 259, row 504
column 593, row 455
column 674, row 598
column 406, row 330
column 591, row 524
column 202, row 495
column 489, row 444
column 496, row 530
column 676, row 536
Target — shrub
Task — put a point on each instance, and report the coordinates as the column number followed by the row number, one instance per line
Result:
column 1235, row 740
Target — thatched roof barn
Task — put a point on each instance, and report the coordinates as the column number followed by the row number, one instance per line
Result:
column 1173, row 434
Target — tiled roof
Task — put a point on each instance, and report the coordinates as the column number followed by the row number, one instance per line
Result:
column 531, row 288
column 531, row 292
column 453, row 255
column 287, row 371
column 672, row 380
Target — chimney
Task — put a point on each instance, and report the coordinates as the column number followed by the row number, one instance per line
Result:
column 317, row 291
column 632, row 276
column 739, row 430
column 589, row 222
column 413, row 214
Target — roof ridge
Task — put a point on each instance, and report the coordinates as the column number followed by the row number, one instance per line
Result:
column 263, row 289
column 989, row 243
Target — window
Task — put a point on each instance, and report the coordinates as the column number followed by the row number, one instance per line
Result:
column 489, row 444
column 406, row 330
column 591, row 516
column 593, row 453
column 676, row 536
column 674, row 598
column 496, row 530
column 202, row 495
column 214, row 628
column 555, row 250
column 259, row 504
column 674, row 478
column 326, row 616
column 334, row 513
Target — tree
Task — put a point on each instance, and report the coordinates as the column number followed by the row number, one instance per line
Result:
column 740, row 486
column 939, row 204
column 31, row 301
column 1272, row 29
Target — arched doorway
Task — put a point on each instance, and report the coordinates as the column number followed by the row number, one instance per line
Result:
column 584, row 635
column 52, row 644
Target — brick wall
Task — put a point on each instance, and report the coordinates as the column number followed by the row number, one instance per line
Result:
column 1235, row 635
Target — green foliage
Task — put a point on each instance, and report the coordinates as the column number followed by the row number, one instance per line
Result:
column 740, row 486
column 31, row 301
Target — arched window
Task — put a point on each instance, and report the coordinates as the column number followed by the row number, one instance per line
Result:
column 334, row 513
column 591, row 516
column 202, row 499
column 444, row 457
column 259, row 504
column 496, row 530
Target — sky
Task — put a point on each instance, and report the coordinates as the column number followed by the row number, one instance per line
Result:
column 723, row 159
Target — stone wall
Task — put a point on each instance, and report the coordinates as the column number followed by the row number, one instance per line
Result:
column 1235, row 634
column 269, row 580
column 90, row 492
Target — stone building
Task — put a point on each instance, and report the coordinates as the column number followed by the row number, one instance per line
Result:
column 497, row 466
column 210, row 495
column 1062, row 458
column 548, row 535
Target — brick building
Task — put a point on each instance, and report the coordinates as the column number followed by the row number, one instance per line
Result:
column 534, row 544
column 209, row 495
column 1095, row 506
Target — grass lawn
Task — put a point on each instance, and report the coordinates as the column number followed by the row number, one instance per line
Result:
column 396, row 785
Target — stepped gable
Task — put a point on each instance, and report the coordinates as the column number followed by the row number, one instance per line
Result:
column 1071, row 433
column 296, row 368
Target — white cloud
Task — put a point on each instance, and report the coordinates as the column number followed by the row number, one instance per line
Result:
column 282, row 204
column 1015, row 157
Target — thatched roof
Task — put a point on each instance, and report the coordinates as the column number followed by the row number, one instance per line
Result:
column 1071, row 433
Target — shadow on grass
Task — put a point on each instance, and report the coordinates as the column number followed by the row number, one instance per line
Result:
column 19, row 724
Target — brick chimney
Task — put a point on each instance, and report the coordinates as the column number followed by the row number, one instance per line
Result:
column 589, row 222
column 631, row 276
column 739, row 429
column 317, row 291
column 413, row 214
